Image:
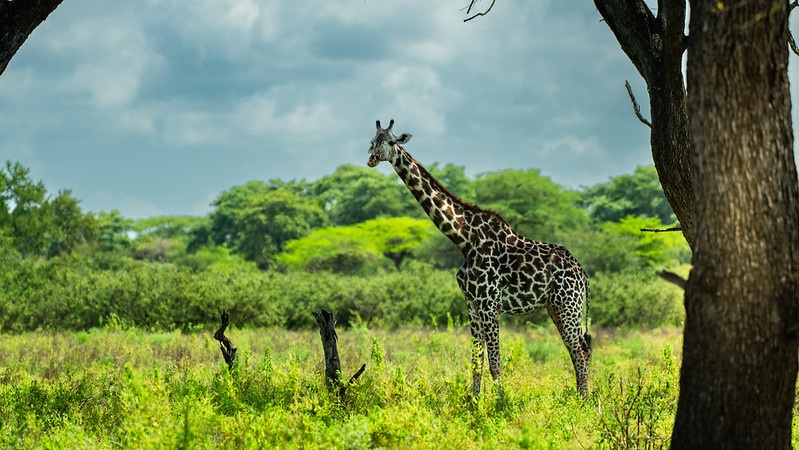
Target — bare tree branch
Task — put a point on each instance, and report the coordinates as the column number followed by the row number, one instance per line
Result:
column 478, row 14
column 661, row 230
column 357, row 374
column 792, row 43
column 636, row 108
column 672, row 277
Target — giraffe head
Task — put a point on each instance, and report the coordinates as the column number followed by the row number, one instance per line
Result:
column 384, row 145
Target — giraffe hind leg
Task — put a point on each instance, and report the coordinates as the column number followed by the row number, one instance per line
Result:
column 576, row 343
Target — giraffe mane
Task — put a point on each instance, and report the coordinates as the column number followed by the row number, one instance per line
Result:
column 470, row 206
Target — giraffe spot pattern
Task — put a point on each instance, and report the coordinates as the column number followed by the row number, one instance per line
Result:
column 503, row 272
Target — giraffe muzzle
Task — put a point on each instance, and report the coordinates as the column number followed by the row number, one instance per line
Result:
column 373, row 161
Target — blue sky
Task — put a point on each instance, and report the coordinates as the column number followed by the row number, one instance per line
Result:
column 155, row 107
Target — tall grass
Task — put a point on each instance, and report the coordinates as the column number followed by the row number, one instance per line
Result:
column 117, row 387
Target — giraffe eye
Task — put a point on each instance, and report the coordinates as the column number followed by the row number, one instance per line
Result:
column 392, row 143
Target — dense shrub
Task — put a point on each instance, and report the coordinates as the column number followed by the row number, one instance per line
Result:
column 79, row 293
column 72, row 294
column 635, row 300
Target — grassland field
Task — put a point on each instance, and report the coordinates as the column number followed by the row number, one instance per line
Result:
column 121, row 387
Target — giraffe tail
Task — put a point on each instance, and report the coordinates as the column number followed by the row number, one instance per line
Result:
column 587, row 335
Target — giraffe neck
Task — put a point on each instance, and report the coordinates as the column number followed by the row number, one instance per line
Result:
column 449, row 213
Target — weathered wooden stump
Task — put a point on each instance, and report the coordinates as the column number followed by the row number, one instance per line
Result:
column 327, row 330
column 228, row 350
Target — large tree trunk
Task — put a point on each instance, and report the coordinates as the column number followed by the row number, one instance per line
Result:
column 740, row 347
column 18, row 18
column 655, row 46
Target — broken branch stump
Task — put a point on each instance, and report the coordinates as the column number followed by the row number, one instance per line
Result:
column 228, row 350
column 327, row 330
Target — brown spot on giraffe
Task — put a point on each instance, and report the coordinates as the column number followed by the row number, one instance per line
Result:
column 502, row 272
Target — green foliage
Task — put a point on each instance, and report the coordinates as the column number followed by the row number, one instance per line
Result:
column 346, row 250
column 214, row 258
column 602, row 252
column 636, row 194
column 439, row 251
column 622, row 247
column 131, row 389
column 656, row 248
column 114, row 230
column 357, row 194
column 256, row 220
column 640, row 408
column 455, row 180
column 358, row 248
column 534, row 205
column 38, row 225
column 629, row 300
column 177, row 272
column 79, row 293
column 165, row 227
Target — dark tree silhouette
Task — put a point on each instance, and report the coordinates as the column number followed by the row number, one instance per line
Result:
column 18, row 19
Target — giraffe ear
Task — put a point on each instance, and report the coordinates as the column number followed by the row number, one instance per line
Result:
column 404, row 138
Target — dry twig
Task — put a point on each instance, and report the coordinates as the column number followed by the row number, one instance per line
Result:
column 636, row 108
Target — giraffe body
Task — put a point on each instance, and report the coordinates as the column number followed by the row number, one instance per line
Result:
column 502, row 272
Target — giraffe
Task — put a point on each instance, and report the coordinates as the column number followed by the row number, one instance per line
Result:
column 502, row 272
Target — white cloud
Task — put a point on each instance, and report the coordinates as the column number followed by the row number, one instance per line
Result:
column 110, row 59
column 291, row 90
column 191, row 128
column 571, row 146
column 417, row 92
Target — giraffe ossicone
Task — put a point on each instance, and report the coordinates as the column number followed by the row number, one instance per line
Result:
column 502, row 272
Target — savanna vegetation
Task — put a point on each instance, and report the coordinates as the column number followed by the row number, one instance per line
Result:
column 118, row 387
column 354, row 242
column 107, row 321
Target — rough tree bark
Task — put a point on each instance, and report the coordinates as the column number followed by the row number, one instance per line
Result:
column 738, row 378
column 732, row 174
column 655, row 45
column 18, row 19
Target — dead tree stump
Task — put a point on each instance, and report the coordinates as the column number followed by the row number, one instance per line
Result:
column 228, row 350
column 327, row 330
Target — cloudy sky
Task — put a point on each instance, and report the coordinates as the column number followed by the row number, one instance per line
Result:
column 155, row 107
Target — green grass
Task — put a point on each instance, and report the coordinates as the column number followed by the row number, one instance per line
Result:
column 126, row 388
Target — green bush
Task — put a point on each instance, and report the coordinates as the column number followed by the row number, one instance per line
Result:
column 635, row 300
column 74, row 294
column 638, row 411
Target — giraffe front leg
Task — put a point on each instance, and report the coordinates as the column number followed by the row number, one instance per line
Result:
column 478, row 352
column 492, row 345
column 478, row 358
